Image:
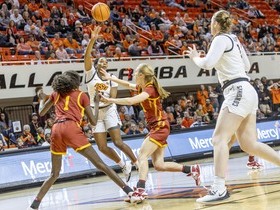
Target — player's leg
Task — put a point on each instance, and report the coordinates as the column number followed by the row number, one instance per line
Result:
column 116, row 138
column 93, row 157
column 56, row 166
column 146, row 150
column 232, row 140
column 226, row 126
column 125, row 165
column 247, row 138
column 251, row 163
column 160, row 165
column 112, row 124
column 100, row 137
column 221, row 136
column 101, row 141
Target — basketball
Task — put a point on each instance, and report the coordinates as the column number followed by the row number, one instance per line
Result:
column 100, row 12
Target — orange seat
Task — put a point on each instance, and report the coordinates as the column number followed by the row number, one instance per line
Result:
column 10, row 58
column 5, row 51
column 23, row 57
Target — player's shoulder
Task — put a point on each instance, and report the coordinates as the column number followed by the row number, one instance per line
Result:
column 223, row 36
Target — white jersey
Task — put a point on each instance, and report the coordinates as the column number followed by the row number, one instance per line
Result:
column 94, row 82
column 227, row 56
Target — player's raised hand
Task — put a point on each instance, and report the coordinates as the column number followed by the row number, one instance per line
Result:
column 95, row 32
column 192, row 52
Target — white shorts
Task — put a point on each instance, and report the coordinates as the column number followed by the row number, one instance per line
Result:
column 108, row 117
column 241, row 99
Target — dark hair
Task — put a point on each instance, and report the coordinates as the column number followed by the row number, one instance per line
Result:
column 224, row 20
column 65, row 83
column 95, row 62
column 75, row 77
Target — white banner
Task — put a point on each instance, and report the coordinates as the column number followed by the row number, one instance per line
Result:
column 19, row 81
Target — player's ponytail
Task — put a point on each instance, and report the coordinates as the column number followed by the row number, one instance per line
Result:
column 224, row 20
column 151, row 78
column 162, row 92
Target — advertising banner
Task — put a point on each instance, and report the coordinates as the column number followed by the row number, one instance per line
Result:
column 22, row 168
column 20, row 81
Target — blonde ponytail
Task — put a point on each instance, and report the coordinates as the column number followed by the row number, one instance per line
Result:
column 150, row 77
column 162, row 92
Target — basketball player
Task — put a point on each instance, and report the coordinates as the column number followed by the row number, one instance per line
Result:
column 108, row 120
column 70, row 104
column 150, row 96
column 238, row 112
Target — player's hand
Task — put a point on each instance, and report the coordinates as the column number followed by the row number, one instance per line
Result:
column 95, row 32
column 105, row 74
column 192, row 52
column 41, row 95
column 104, row 99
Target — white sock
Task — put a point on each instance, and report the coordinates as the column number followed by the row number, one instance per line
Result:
column 219, row 183
column 121, row 164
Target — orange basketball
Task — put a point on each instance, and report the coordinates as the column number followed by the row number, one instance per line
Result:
column 100, row 12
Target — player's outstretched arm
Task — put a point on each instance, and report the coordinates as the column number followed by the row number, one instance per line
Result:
column 126, row 84
column 126, row 101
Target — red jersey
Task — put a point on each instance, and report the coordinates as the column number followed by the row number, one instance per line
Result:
column 71, row 106
column 152, row 106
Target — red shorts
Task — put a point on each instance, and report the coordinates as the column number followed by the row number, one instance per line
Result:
column 67, row 134
column 159, row 132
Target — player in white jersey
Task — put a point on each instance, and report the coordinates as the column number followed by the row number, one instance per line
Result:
column 238, row 112
column 108, row 120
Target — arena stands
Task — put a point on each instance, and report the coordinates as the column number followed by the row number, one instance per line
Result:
column 56, row 31
column 252, row 21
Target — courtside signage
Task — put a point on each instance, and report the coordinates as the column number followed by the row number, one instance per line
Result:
column 20, row 81
column 23, row 168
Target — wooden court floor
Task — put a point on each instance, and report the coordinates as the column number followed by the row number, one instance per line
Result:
column 249, row 189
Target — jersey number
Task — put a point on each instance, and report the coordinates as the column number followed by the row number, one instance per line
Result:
column 66, row 105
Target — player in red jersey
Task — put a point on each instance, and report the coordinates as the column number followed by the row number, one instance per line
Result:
column 150, row 95
column 70, row 105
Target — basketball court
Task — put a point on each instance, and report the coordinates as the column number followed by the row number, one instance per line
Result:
column 249, row 189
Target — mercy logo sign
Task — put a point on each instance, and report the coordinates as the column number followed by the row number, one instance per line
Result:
column 200, row 143
column 268, row 131
column 35, row 170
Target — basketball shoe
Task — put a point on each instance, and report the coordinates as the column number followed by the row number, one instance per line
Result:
column 214, row 196
column 134, row 197
column 195, row 174
column 127, row 170
column 253, row 165
column 141, row 191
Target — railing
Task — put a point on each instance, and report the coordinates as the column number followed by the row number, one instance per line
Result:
column 5, row 63
column 20, row 113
